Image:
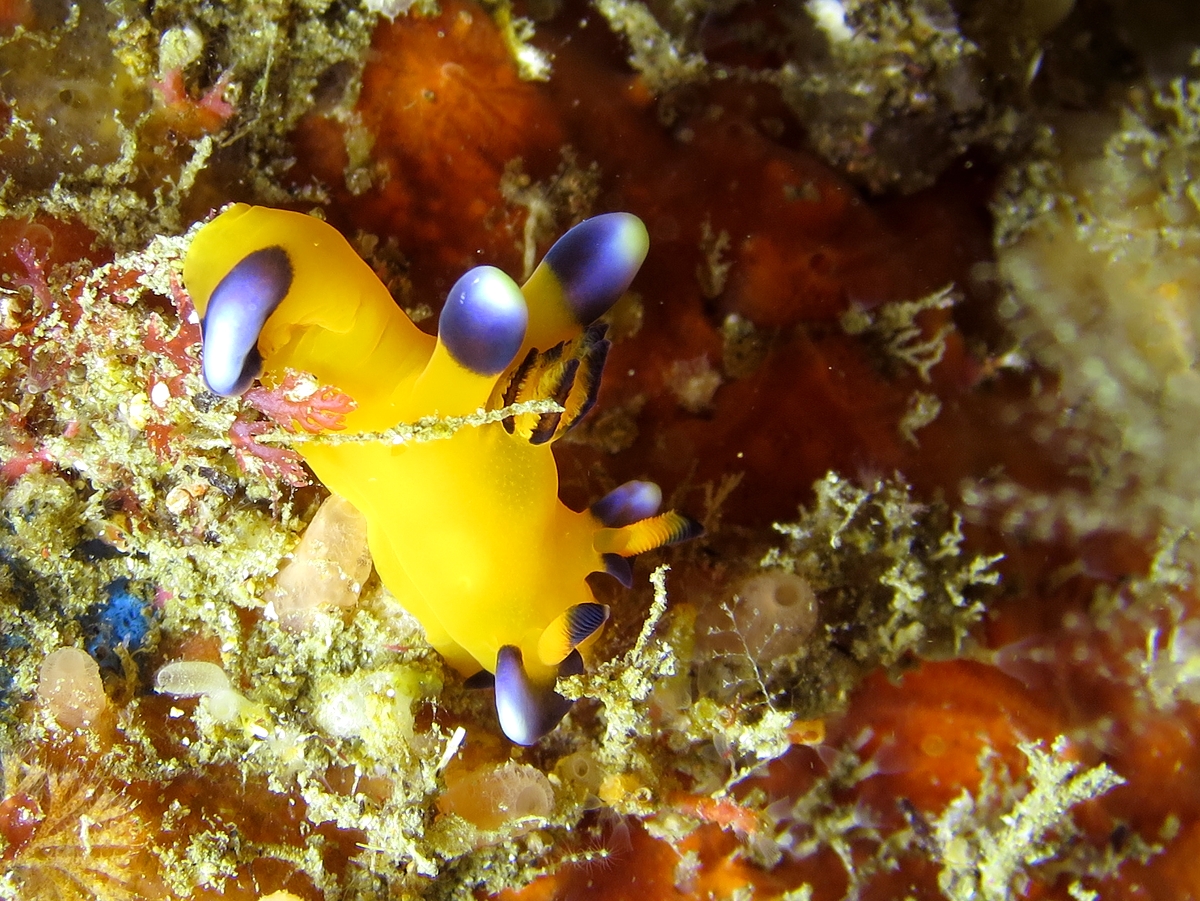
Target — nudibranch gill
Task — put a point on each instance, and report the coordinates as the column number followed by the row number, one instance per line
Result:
column 467, row 532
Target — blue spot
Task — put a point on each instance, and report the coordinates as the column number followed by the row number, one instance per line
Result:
column 126, row 620
column 6, row 687
column 8, row 645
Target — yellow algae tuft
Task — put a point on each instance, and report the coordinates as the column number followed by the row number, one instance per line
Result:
column 1099, row 250
column 986, row 848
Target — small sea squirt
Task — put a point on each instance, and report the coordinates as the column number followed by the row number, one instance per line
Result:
column 70, row 686
column 467, row 532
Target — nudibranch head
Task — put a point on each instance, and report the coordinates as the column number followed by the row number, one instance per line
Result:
column 237, row 310
column 483, row 322
column 467, row 532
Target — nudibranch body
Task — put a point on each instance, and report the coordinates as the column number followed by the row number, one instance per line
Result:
column 467, row 532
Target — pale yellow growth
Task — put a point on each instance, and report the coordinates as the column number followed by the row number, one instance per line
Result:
column 987, row 856
column 71, row 688
column 1099, row 246
column 220, row 701
column 375, row 707
column 499, row 797
column 327, row 569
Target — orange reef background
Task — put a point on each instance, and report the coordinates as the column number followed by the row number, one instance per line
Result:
column 855, row 211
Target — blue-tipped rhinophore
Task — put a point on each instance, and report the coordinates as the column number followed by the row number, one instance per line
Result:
column 628, row 504
column 526, row 711
column 237, row 311
column 484, row 321
column 596, row 260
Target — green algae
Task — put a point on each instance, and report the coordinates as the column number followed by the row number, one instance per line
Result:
column 95, row 133
column 1096, row 240
column 895, row 328
column 987, row 842
column 888, row 93
column 890, row 568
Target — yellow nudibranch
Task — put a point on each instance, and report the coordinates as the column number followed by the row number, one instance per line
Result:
column 467, row 532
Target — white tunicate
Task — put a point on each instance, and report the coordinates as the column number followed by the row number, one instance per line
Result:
column 830, row 16
column 178, row 48
column 69, row 684
column 582, row 769
column 190, row 679
column 499, row 797
column 771, row 615
column 199, row 679
column 327, row 569
column 389, row 8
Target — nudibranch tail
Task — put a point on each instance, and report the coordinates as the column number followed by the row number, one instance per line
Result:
column 237, row 311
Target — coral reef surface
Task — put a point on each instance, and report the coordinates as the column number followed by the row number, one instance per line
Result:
column 915, row 340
